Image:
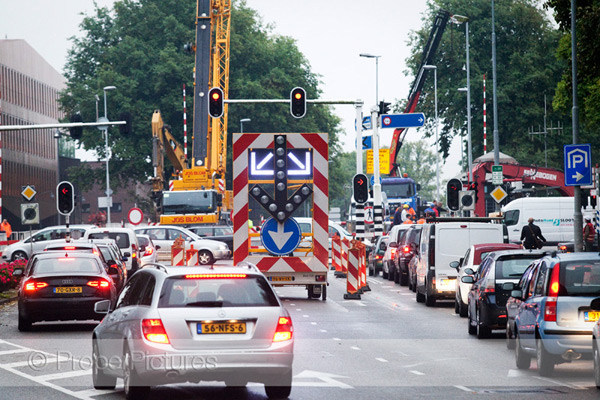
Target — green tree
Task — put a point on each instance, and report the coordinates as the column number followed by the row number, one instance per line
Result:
column 416, row 160
column 138, row 47
column 526, row 71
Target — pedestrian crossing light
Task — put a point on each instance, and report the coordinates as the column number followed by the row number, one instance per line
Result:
column 215, row 102
column 65, row 198
column 298, row 102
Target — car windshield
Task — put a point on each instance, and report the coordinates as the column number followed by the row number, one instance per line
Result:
column 189, row 202
column 512, row 267
column 580, row 278
column 106, row 253
column 249, row 291
column 143, row 241
column 65, row 265
column 121, row 238
column 511, row 217
column 398, row 190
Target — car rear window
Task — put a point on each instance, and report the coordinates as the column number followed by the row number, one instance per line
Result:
column 143, row 241
column 108, row 256
column 223, row 230
column 251, row 291
column 512, row 267
column 580, row 278
column 121, row 238
column 65, row 265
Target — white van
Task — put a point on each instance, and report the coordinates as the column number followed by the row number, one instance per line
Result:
column 554, row 216
column 442, row 243
column 126, row 240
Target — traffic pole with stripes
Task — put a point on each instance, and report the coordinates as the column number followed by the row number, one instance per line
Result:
column 360, row 220
column 378, row 220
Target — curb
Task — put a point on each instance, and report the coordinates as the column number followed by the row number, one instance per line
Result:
column 9, row 299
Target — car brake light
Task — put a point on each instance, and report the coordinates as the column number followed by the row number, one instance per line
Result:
column 102, row 284
column 154, row 331
column 550, row 309
column 563, row 248
column 149, row 251
column 406, row 249
column 320, row 278
column 284, row 330
column 393, row 252
column 33, row 286
column 554, row 281
column 378, row 257
column 69, row 248
column 215, row 276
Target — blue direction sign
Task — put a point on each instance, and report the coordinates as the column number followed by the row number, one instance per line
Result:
column 373, row 180
column 413, row 120
column 366, row 122
column 367, row 142
column 578, row 165
column 280, row 238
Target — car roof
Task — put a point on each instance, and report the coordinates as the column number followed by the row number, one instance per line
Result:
column 577, row 256
column 524, row 252
column 483, row 247
column 111, row 229
column 58, row 254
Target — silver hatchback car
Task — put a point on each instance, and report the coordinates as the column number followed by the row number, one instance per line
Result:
column 190, row 324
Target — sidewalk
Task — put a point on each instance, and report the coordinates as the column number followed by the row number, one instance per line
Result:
column 8, row 296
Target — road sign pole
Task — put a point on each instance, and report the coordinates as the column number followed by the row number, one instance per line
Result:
column 377, row 185
column 359, row 167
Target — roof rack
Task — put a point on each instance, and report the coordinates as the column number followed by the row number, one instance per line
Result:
column 464, row 219
column 160, row 267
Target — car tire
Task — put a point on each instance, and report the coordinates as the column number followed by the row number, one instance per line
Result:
column 282, row 390
column 596, row 354
column 397, row 276
column 472, row 329
column 420, row 297
column 456, row 310
column 24, row 324
column 545, row 361
column 510, row 340
column 403, row 279
column 462, row 308
column 483, row 331
column 324, row 292
column 18, row 255
column 429, row 300
column 205, row 257
column 391, row 273
column 371, row 271
column 101, row 380
column 522, row 359
column 385, row 274
column 131, row 381
column 311, row 292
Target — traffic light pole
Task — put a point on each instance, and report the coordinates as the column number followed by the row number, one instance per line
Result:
column 377, row 206
column 358, row 107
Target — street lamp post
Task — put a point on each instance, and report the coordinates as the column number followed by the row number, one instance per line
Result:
column 367, row 55
column 437, row 151
column 242, row 123
column 458, row 19
column 108, row 193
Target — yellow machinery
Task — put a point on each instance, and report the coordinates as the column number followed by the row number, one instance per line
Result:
column 203, row 200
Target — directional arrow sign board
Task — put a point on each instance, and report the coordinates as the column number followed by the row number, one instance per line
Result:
column 280, row 239
column 413, row 120
column 282, row 176
column 578, row 165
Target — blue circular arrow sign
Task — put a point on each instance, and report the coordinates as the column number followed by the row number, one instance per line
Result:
column 280, row 239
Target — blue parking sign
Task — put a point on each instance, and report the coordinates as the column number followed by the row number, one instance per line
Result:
column 578, row 165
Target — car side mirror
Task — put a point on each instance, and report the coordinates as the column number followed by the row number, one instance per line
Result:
column 127, row 254
column 461, row 260
column 393, row 244
column 382, row 246
column 469, row 271
column 157, row 247
column 517, row 294
column 594, row 305
column 467, row 279
column 508, row 286
column 113, row 270
column 454, row 264
column 18, row 272
column 102, row 307
column 142, row 249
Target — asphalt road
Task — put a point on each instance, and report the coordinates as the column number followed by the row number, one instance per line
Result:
column 384, row 346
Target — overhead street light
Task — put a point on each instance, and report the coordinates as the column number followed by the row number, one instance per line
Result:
column 367, row 55
column 437, row 152
column 242, row 123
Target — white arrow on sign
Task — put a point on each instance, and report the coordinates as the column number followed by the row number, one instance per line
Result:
column 280, row 238
column 327, row 379
column 255, row 169
column 304, row 168
column 577, row 176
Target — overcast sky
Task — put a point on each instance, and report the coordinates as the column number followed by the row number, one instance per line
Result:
column 331, row 34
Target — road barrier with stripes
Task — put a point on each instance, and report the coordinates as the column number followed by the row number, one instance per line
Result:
column 191, row 256
column 352, row 280
column 178, row 252
column 345, row 248
column 336, row 255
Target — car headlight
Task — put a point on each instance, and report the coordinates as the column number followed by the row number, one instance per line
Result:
column 223, row 247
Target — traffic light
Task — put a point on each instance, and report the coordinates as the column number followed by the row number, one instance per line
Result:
column 453, row 189
column 473, row 186
column 77, row 131
column 360, row 186
column 298, row 102
column 125, row 129
column 65, row 198
column 384, row 107
column 215, row 102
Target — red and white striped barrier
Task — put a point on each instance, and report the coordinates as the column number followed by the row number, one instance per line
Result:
column 336, row 255
column 177, row 255
column 352, row 279
column 191, row 257
column 222, row 185
column 345, row 248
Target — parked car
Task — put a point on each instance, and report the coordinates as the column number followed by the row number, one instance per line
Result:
column 442, row 243
column 595, row 306
column 407, row 248
column 148, row 250
column 164, row 236
column 228, row 317
column 220, row 233
column 486, row 306
column 23, row 249
column 470, row 262
column 59, row 286
column 375, row 259
column 126, row 241
column 396, row 235
column 554, row 321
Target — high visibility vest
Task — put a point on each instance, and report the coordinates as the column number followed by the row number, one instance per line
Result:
column 591, row 233
column 421, row 221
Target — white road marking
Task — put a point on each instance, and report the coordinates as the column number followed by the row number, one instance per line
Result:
column 559, row 383
column 382, row 360
column 335, row 338
column 5, row 352
column 313, row 323
column 305, row 316
column 64, row 375
column 323, row 330
column 298, row 309
column 325, row 379
column 406, row 294
column 355, row 348
column 360, row 303
column 416, row 372
column 513, row 373
column 463, row 388
column 292, row 304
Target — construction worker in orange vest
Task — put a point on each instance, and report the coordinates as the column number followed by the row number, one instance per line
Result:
column 421, row 220
column 408, row 220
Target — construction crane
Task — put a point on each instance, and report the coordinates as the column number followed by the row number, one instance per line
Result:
column 196, row 195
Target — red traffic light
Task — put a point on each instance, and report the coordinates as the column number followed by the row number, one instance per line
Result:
column 215, row 102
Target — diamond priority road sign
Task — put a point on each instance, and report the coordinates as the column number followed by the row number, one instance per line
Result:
column 498, row 194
